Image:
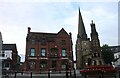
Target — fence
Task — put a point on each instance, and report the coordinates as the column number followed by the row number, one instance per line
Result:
column 45, row 74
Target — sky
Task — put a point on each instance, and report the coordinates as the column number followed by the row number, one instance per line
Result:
column 51, row 17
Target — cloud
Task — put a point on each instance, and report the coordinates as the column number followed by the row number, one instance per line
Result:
column 51, row 17
column 59, row 0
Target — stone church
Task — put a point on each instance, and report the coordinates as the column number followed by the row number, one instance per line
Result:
column 88, row 50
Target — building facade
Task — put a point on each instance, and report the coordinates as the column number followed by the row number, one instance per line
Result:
column 10, row 53
column 48, row 51
column 1, row 42
column 87, row 49
column 116, row 51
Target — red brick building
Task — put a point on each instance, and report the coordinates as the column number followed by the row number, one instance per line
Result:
column 46, row 51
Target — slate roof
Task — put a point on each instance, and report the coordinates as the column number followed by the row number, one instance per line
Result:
column 9, row 47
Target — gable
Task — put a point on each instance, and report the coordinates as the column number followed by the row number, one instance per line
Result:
column 62, row 33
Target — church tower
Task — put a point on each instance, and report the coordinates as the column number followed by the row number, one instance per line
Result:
column 87, row 51
column 95, row 44
column 82, row 45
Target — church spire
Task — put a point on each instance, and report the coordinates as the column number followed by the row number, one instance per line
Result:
column 81, row 29
column 93, row 29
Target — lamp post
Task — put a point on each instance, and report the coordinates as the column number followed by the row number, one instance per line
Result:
column 66, row 70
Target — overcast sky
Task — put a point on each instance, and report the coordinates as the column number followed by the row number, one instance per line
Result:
column 15, row 17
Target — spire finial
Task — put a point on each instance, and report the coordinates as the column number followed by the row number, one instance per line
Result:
column 92, row 21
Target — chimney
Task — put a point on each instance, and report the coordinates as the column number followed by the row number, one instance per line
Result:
column 29, row 29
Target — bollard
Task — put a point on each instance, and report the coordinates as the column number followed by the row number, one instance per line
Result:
column 66, row 71
column 66, row 74
column 15, row 74
column 22, row 73
column 100, row 74
column 49, row 73
column 85, row 75
column 70, row 74
column 40, row 71
column 74, row 73
column 31, row 74
column 59, row 71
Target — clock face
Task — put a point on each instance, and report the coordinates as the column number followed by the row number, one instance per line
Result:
column 84, row 43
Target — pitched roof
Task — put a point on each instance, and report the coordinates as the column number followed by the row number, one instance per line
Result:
column 53, row 35
column 45, row 34
column 63, row 31
column 9, row 47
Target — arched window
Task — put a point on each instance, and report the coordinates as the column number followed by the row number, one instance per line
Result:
column 100, row 62
column 94, row 54
column 94, row 62
column 89, row 61
column 98, row 54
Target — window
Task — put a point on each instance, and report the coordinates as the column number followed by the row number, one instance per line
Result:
column 3, row 54
column 89, row 61
column 7, row 65
column 100, row 62
column 98, row 54
column 43, row 64
column 94, row 54
column 43, row 42
column 31, row 64
column 33, row 41
column 63, row 66
column 32, row 52
column 43, row 52
column 63, row 42
column 63, row 52
column 94, row 62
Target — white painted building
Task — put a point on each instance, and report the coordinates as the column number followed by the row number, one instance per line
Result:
column 7, row 54
column 116, row 50
column 1, row 42
column 117, row 56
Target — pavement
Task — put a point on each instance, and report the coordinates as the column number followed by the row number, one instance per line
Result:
column 53, row 75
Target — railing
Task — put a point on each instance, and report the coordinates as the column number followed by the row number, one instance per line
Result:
column 32, row 74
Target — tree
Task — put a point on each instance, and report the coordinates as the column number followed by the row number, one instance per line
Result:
column 107, row 54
